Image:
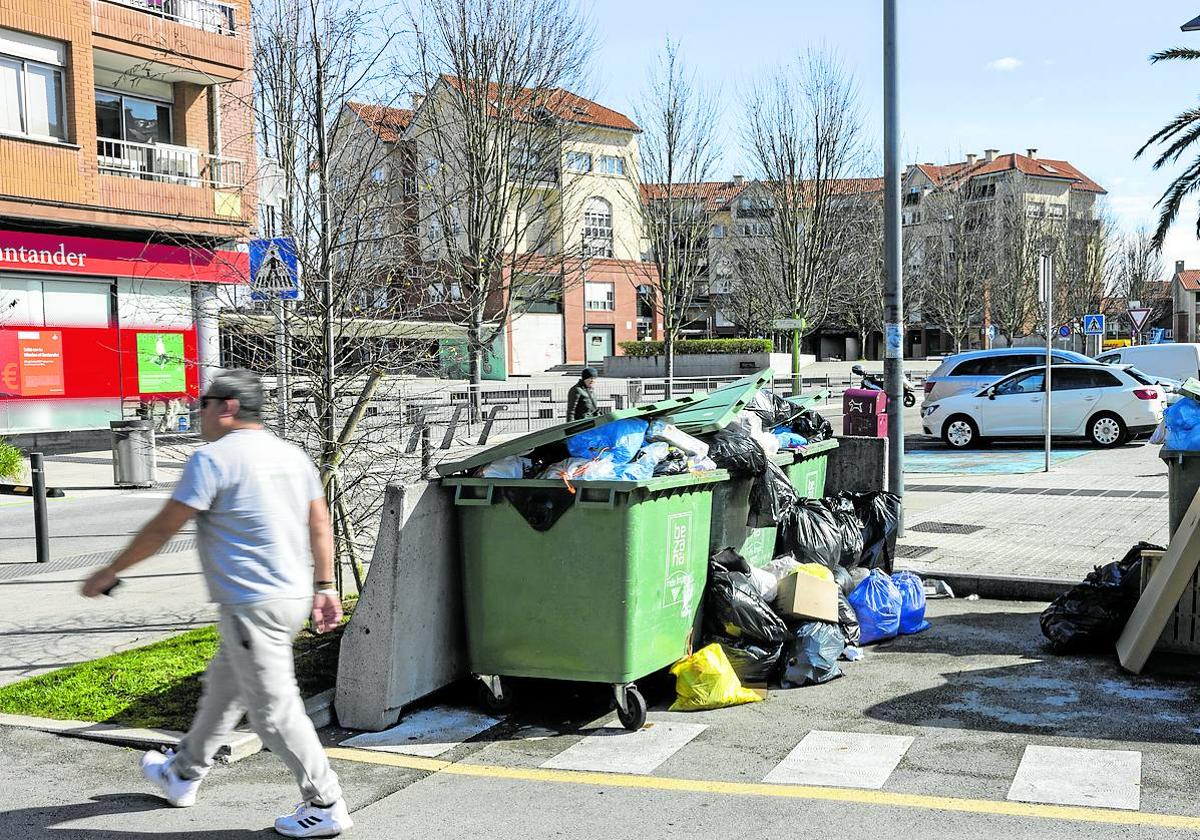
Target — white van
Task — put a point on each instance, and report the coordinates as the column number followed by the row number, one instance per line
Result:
column 1175, row 361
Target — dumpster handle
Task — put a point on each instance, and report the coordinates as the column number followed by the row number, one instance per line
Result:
column 596, row 497
column 474, row 495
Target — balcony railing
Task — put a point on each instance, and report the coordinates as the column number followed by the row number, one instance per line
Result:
column 208, row 15
column 168, row 164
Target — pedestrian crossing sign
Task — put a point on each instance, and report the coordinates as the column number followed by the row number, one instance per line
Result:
column 1093, row 325
column 274, row 271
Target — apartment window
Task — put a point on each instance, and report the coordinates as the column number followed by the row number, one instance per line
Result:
column 755, row 229
column 1035, row 209
column 538, row 294
column 410, row 185
column 381, row 298
column 1058, row 211
column 379, row 174
column 612, row 165
column 599, row 296
column 432, row 167
column 31, row 86
column 579, row 162
column 718, row 231
column 597, row 228
column 133, row 119
column 911, row 198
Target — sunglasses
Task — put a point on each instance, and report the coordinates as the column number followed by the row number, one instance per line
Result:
column 204, row 401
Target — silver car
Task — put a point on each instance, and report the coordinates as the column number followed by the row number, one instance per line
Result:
column 971, row 371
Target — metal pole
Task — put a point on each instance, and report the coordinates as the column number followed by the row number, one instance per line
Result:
column 281, row 374
column 893, row 365
column 41, row 525
column 529, row 408
column 1048, row 291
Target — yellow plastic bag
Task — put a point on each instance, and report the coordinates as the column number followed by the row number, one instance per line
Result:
column 816, row 570
column 706, row 680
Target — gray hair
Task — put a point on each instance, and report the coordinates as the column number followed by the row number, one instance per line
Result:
column 242, row 385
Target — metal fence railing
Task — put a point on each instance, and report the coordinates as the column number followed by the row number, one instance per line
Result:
column 167, row 163
column 208, row 15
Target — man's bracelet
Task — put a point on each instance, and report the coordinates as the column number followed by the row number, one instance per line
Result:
column 329, row 591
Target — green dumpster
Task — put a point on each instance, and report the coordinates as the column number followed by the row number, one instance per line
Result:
column 608, row 593
column 808, row 468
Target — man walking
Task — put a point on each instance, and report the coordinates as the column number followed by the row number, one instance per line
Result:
column 581, row 401
column 259, row 510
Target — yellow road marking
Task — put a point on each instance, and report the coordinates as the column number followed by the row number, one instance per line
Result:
column 862, row 797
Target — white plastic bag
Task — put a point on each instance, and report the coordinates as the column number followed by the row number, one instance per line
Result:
column 513, row 466
column 765, row 583
column 660, row 430
column 781, row 566
column 581, row 469
column 753, row 423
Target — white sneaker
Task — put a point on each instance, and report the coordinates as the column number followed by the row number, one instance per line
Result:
column 311, row 821
column 179, row 792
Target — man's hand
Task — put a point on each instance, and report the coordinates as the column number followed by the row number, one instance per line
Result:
column 100, row 582
column 327, row 611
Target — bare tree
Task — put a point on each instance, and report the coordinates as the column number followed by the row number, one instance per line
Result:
column 1021, row 235
column 490, row 131
column 678, row 153
column 1087, row 260
column 1138, row 276
column 859, row 288
column 955, row 260
column 803, row 137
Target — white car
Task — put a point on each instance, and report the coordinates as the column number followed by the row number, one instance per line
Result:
column 1105, row 404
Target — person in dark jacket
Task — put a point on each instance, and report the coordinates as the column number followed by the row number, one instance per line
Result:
column 581, row 402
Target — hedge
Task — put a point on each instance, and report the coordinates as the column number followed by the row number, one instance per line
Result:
column 700, row 346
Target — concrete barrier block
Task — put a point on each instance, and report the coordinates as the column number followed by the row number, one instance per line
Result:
column 859, row 465
column 406, row 639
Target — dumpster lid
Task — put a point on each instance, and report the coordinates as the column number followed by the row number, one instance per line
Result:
column 694, row 413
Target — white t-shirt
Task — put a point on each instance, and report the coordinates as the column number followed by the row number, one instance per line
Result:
column 252, row 491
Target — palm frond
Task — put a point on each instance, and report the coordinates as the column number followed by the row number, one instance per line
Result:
column 1177, row 148
column 1172, row 199
column 1179, row 123
column 1181, row 53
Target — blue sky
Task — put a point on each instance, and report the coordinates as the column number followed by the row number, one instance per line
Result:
column 1065, row 76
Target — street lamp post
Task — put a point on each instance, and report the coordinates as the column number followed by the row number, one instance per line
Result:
column 893, row 365
column 1046, row 282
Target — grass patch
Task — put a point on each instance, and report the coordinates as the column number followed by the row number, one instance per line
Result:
column 156, row 686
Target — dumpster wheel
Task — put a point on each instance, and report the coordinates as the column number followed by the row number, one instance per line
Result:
column 492, row 696
column 631, row 706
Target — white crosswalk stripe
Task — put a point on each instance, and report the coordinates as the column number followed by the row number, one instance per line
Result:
column 1071, row 776
column 612, row 749
column 428, row 733
column 841, row 759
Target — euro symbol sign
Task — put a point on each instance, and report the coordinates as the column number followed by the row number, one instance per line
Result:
column 9, row 378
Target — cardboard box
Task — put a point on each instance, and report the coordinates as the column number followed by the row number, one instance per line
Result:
column 805, row 596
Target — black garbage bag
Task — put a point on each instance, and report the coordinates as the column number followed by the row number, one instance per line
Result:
column 734, row 611
column 848, row 621
column 1092, row 614
column 676, row 463
column 734, row 448
column 730, row 560
column 813, row 425
column 773, row 409
column 771, row 495
column 810, row 533
column 810, row 656
column 850, row 527
column 843, row 579
column 753, row 664
column 879, row 513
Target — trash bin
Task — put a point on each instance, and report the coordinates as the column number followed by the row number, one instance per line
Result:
column 135, row 462
column 1183, row 480
column 864, row 413
column 598, row 582
column 731, row 502
column 600, row 585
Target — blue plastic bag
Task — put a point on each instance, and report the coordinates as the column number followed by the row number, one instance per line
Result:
column 791, row 440
column 876, row 601
column 1183, row 425
column 912, row 603
column 643, row 464
column 618, row 441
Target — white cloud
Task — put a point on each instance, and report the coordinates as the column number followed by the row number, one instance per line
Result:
column 1006, row 64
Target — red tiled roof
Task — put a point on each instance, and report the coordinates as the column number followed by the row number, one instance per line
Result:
column 388, row 123
column 720, row 194
column 1189, row 279
column 562, row 104
column 1035, row 167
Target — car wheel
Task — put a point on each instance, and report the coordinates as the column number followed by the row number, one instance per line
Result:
column 960, row 432
column 1106, row 431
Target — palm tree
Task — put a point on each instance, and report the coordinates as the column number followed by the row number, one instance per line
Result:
column 1179, row 134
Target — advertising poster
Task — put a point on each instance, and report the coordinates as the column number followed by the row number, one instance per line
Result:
column 31, row 363
column 161, row 365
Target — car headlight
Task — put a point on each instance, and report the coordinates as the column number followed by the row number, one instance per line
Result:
column 926, row 410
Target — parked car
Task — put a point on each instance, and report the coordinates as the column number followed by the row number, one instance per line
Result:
column 970, row 371
column 1106, row 405
column 1174, row 361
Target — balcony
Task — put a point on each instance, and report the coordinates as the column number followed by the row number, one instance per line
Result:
column 168, row 164
column 209, row 15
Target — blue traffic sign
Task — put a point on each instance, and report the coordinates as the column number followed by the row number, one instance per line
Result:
column 1093, row 325
column 274, row 269
column 1064, row 331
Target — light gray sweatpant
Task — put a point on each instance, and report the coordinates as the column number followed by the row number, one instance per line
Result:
column 253, row 673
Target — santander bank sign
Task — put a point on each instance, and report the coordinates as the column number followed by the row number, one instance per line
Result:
column 41, row 252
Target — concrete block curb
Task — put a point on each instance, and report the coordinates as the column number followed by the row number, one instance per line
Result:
column 242, row 744
column 1001, row 587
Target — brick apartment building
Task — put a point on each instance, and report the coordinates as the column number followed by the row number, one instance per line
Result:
column 127, row 167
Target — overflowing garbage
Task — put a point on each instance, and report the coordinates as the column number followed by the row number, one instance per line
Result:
column 1090, row 616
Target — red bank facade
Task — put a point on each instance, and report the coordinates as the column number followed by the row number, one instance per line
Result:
column 127, row 195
